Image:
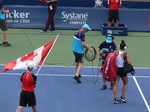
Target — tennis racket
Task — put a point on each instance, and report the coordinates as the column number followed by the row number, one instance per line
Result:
column 90, row 55
column 9, row 19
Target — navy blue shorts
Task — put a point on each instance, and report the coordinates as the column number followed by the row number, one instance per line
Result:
column 79, row 57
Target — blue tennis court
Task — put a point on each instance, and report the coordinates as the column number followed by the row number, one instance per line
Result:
column 57, row 91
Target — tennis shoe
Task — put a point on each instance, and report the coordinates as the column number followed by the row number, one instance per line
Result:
column 52, row 30
column 123, row 100
column 5, row 44
column 103, row 87
column 77, row 79
column 117, row 101
column 43, row 31
column 79, row 76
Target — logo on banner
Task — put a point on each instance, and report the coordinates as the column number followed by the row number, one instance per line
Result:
column 19, row 17
column 75, row 18
column 114, row 31
column 109, row 31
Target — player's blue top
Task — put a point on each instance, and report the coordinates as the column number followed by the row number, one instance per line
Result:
column 77, row 47
column 107, row 47
column 2, row 15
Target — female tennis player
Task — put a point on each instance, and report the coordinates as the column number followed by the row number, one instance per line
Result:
column 120, row 74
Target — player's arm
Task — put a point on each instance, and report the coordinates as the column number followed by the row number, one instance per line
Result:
column 108, row 3
column 87, row 46
column 5, row 11
column 82, row 37
column 21, row 79
column 128, row 59
column 35, row 79
column 98, row 53
column 22, row 85
column 120, row 4
column 51, row 1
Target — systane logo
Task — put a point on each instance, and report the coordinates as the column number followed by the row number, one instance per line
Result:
column 74, row 16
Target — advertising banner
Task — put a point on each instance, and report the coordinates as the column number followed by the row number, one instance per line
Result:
column 75, row 17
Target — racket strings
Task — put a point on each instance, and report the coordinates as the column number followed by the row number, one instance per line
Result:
column 10, row 20
column 90, row 55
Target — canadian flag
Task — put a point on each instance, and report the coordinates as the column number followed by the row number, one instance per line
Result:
column 38, row 56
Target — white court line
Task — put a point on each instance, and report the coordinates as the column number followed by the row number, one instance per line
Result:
column 62, row 75
column 67, row 75
column 2, row 65
column 141, row 94
column 17, row 108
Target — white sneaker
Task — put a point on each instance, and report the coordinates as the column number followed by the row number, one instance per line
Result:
column 123, row 100
column 43, row 31
column 117, row 101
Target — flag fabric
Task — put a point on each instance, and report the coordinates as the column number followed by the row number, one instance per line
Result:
column 38, row 56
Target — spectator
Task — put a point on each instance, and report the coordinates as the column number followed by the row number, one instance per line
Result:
column 108, row 46
column 3, row 23
column 52, row 7
column 98, row 4
column 113, row 13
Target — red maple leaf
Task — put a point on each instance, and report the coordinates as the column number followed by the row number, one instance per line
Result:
column 28, row 56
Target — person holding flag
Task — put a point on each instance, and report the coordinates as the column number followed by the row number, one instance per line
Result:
column 27, row 95
column 30, row 61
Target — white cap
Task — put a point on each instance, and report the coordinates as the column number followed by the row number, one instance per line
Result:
column 30, row 64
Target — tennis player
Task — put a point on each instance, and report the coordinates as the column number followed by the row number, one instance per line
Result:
column 27, row 95
column 78, row 46
column 3, row 23
column 120, row 74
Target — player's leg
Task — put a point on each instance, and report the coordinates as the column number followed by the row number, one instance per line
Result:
column 116, row 18
column 20, row 109
column 124, row 88
column 110, row 17
column 34, row 109
column 115, row 90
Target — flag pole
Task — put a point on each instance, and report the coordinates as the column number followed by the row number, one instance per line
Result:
column 47, row 54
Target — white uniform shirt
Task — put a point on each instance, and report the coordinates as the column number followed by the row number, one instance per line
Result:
column 119, row 60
